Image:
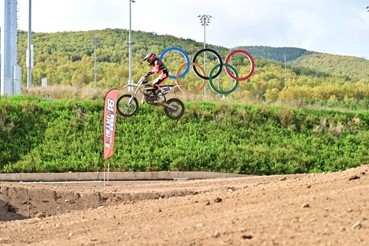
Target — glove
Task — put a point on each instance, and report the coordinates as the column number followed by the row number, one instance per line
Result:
column 145, row 82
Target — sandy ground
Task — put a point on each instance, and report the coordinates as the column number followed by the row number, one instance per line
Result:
column 309, row 209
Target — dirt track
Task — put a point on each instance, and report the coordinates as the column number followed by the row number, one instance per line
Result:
column 311, row 209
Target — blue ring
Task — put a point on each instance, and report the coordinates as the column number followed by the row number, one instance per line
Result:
column 184, row 54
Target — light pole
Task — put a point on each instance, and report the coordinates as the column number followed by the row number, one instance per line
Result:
column 285, row 70
column 30, row 47
column 362, row 69
column 95, row 40
column 205, row 21
column 130, row 43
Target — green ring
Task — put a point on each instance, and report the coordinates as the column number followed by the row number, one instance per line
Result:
column 211, row 80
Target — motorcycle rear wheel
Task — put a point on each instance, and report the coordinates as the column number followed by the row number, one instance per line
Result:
column 176, row 109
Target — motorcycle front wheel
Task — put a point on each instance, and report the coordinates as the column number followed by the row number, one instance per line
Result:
column 127, row 105
column 175, row 108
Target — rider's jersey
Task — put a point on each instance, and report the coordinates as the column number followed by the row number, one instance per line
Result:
column 158, row 67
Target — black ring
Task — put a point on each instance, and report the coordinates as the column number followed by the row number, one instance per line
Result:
column 219, row 59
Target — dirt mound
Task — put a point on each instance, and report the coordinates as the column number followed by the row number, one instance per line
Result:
column 24, row 202
column 309, row 209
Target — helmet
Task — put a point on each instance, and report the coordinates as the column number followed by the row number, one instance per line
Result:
column 150, row 58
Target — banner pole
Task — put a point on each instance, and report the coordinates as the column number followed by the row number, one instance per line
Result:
column 104, row 182
column 109, row 123
column 107, row 182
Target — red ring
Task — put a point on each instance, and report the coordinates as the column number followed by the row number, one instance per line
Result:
column 248, row 55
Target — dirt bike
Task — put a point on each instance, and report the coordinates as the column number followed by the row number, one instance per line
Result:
column 127, row 104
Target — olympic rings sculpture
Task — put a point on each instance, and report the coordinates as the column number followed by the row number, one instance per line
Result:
column 215, row 71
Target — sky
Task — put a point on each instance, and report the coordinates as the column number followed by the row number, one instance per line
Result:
column 338, row 27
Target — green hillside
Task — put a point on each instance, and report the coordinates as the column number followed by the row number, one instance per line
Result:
column 40, row 135
column 276, row 53
column 67, row 58
column 348, row 66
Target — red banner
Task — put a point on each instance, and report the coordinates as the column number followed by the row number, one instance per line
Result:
column 110, row 110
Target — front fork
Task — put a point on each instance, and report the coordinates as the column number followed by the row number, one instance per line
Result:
column 131, row 99
column 133, row 96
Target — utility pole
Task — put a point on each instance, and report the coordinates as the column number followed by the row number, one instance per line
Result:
column 30, row 47
column 130, row 43
column 95, row 41
column 285, row 70
column 363, row 59
column 205, row 21
column 362, row 69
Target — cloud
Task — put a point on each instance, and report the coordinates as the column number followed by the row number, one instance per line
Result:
column 52, row 16
column 331, row 26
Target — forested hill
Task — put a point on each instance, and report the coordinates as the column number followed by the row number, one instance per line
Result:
column 68, row 58
column 338, row 65
column 347, row 66
column 280, row 54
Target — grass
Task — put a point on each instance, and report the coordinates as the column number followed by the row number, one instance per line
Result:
column 86, row 92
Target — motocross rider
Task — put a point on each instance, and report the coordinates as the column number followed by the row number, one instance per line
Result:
column 159, row 68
